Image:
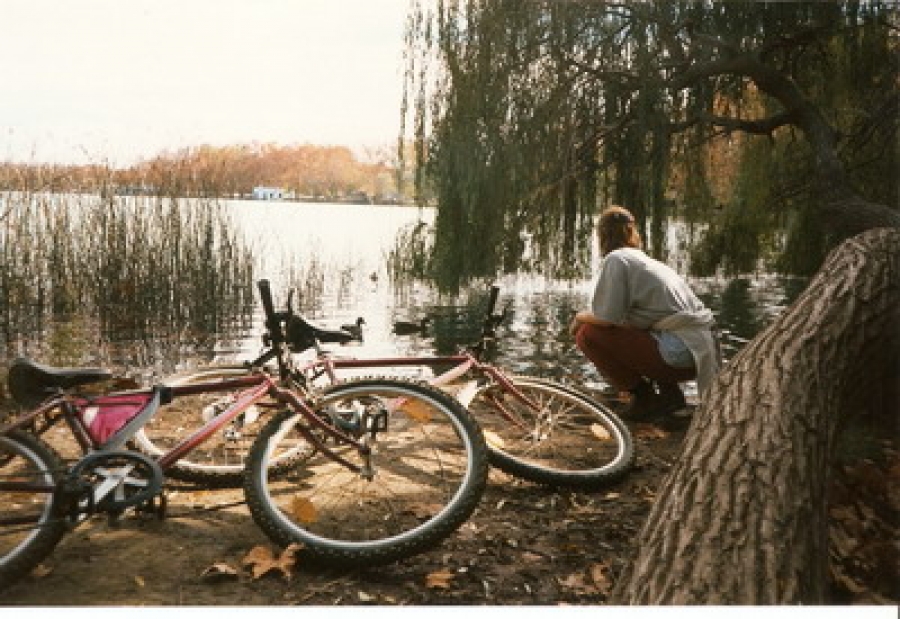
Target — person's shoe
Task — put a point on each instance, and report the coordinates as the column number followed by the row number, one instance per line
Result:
column 644, row 403
column 647, row 404
column 670, row 398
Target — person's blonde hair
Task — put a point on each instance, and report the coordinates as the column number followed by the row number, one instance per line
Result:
column 617, row 229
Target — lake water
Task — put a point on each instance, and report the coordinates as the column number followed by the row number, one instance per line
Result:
column 342, row 249
column 351, row 243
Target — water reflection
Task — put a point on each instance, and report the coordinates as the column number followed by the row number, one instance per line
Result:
column 743, row 306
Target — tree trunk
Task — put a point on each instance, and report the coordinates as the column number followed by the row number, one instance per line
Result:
column 741, row 518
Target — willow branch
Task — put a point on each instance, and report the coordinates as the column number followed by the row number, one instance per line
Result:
column 764, row 126
column 596, row 72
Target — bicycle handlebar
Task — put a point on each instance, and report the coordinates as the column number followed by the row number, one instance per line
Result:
column 491, row 320
column 492, row 300
column 272, row 322
column 265, row 295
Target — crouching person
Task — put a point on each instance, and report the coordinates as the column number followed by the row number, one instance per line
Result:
column 646, row 331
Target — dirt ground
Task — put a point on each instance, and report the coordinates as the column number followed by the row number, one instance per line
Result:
column 525, row 544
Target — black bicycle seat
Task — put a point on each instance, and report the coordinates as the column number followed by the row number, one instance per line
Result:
column 30, row 383
column 301, row 334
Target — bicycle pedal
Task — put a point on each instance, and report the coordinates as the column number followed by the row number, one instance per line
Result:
column 156, row 508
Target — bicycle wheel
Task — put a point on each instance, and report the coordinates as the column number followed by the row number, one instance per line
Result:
column 30, row 528
column 425, row 474
column 563, row 439
column 219, row 461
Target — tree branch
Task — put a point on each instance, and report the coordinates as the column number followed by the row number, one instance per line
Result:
column 801, row 112
column 596, row 72
column 764, row 126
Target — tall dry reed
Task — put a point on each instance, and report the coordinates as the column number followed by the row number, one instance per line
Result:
column 134, row 265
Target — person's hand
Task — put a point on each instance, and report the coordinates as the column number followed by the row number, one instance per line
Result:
column 573, row 326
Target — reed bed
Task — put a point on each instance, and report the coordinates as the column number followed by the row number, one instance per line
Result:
column 134, row 266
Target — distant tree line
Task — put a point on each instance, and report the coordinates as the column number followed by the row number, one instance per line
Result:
column 304, row 171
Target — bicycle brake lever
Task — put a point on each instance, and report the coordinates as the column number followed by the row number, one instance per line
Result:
column 290, row 302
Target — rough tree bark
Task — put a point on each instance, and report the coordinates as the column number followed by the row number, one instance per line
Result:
column 741, row 518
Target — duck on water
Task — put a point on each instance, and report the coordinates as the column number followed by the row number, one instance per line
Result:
column 402, row 327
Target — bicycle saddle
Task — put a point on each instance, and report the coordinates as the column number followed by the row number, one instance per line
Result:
column 30, row 383
column 301, row 335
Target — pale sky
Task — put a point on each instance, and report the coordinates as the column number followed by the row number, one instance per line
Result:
column 118, row 80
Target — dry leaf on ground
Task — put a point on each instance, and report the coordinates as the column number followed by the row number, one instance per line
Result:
column 304, row 510
column 41, row 571
column 417, row 411
column 649, row 431
column 577, row 583
column 261, row 560
column 218, row 572
column 600, row 432
column 439, row 580
column 601, row 575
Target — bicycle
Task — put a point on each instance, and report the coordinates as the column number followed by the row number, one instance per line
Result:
column 360, row 473
column 535, row 429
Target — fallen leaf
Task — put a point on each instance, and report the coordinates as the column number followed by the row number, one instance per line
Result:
column 649, row 431
column 261, row 560
column 600, row 574
column 439, row 580
column 304, row 510
column 600, row 432
column 578, row 584
column 41, row 571
column 139, row 581
column 365, row 597
column 417, row 410
column 218, row 572
column 468, row 531
column 493, row 439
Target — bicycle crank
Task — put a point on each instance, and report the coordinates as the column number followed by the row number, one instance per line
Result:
column 119, row 479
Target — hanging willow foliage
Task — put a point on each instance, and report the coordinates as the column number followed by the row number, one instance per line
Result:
column 529, row 116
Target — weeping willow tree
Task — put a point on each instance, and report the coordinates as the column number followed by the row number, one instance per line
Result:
column 755, row 119
column 774, row 125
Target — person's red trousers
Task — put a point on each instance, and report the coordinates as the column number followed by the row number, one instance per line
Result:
column 625, row 354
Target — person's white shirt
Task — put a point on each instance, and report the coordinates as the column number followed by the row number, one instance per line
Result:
column 637, row 290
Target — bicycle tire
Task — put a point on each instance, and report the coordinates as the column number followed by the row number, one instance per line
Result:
column 220, row 460
column 430, row 466
column 571, row 441
column 26, row 457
